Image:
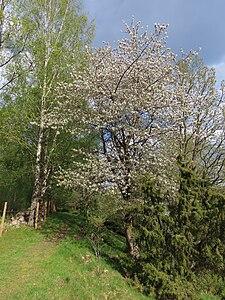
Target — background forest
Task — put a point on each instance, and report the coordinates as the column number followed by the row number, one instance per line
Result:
column 132, row 137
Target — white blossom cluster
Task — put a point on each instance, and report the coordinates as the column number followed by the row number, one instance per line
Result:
column 141, row 104
column 86, row 175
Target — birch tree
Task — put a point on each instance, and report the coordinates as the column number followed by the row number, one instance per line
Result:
column 57, row 32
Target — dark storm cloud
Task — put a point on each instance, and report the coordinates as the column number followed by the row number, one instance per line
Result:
column 193, row 23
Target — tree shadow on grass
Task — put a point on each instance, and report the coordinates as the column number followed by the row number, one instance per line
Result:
column 62, row 225
column 115, row 252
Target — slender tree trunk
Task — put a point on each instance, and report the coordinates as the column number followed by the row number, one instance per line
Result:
column 130, row 239
column 46, row 164
column 37, row 177
column 45, row 175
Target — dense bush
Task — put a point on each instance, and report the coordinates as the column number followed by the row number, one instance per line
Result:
column 180, row 241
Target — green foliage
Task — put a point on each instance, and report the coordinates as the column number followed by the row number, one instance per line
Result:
column 1, row 15
column 211, row 284
column 16, row 178
column 54, row 35
column 179, row 241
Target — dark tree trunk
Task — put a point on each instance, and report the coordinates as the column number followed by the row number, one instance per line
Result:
column 130, row 239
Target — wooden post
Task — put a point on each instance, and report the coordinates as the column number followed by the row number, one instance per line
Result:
column 36, row 216
column 48, row 207
column 3, row 219
column 45, row 211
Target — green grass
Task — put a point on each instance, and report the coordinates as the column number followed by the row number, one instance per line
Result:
column 56, row 262
column 209, row 298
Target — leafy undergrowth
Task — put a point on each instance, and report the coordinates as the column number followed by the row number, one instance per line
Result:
column 57, row 262
column 210, row 298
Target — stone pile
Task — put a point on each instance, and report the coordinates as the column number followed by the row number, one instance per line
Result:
column 19, row 219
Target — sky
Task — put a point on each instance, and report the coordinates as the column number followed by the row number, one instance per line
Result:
column 193, row 24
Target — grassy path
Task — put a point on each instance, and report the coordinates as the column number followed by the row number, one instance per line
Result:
column 33, row 267
column 21, row 261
